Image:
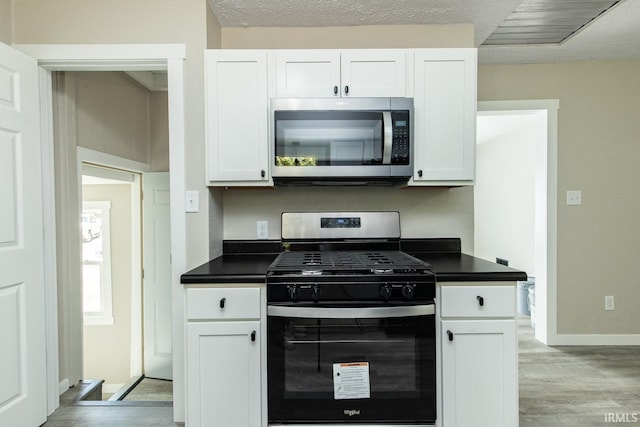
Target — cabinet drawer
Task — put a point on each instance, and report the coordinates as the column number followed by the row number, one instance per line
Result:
column 478, row 301
column 223, row 303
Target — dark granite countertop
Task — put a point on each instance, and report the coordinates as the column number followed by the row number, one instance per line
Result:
column 231, row 268
column 247, row 262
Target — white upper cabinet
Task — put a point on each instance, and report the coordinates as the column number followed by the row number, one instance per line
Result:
column 307, row 73
column 237, row 112
column 374, row 73
column 445, row 97
column 332, row 73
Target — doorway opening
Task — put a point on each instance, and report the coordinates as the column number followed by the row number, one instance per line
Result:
column 127, row 348
column 112, row 132
column 515, row 196
column 111, row 257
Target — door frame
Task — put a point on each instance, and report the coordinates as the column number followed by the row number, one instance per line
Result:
column 546, row 213
column 124, row 57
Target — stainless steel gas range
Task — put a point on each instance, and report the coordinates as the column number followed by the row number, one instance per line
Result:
column 351, row 324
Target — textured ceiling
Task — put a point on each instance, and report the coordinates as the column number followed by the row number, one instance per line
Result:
column 614, row 35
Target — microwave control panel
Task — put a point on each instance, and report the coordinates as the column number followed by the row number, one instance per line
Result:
column 400, row 151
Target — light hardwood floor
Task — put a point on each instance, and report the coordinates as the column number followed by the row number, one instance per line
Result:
column 559, row 386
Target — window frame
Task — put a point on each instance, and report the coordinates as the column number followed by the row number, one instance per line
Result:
column 105, row 315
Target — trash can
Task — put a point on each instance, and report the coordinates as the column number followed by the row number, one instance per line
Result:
column 531, row 300
column 523, row 296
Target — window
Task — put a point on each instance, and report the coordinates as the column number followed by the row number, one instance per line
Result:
column 96, row 264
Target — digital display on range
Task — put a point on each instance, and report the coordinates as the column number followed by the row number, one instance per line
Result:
column 353, row 222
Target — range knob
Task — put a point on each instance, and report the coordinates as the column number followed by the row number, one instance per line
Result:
column 315, row 292
column 385, row 292
column 407, row 291
column 292, row 290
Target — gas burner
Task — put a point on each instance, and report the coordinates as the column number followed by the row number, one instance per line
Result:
column 345, row 262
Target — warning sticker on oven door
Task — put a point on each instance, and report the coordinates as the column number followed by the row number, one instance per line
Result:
column 351, row 380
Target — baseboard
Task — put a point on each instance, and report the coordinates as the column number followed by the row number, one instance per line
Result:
column 596, row 339
column 63, row 386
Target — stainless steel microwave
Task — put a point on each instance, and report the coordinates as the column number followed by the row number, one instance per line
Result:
column 341, row 141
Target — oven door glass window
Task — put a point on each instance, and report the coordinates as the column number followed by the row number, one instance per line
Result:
column 326, row 138
column 352, row 370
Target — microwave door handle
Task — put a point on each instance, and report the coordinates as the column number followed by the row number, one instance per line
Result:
column 350, row 312
column 388, row 137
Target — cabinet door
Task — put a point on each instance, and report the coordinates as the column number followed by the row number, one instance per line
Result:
column 373, row 73
column 445, row 116
column 307, row 74
column 479, row 373
column 237, row 110
column 223, row 374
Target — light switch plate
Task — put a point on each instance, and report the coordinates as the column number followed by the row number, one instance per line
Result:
column 192, row 202
column 574, row 197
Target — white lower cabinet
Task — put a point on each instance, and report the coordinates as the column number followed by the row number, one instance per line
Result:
column 224, row 366
column 479, row 357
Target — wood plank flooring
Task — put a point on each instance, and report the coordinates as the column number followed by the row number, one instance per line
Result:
column 151, row 389
column 112, row 414
column 576, row 385
column 559, row 387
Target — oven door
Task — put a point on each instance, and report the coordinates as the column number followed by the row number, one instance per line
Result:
column 351, row 364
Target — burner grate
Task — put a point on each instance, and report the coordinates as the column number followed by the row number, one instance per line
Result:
column 345, row 260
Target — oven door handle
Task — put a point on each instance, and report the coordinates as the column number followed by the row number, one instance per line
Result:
column 350, row 312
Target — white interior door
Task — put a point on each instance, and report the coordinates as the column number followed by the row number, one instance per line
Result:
column 22, row 310
column 157, row 275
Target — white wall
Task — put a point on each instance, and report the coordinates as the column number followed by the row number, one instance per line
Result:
column 113, row 115
column 424, row 212
column 504, row 194
column 598, row 153
column 5, row 21
column 159, row 132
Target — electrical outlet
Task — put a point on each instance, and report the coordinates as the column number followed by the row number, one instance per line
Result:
column 574, row 197
column 609, row 303
column 262, row 230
